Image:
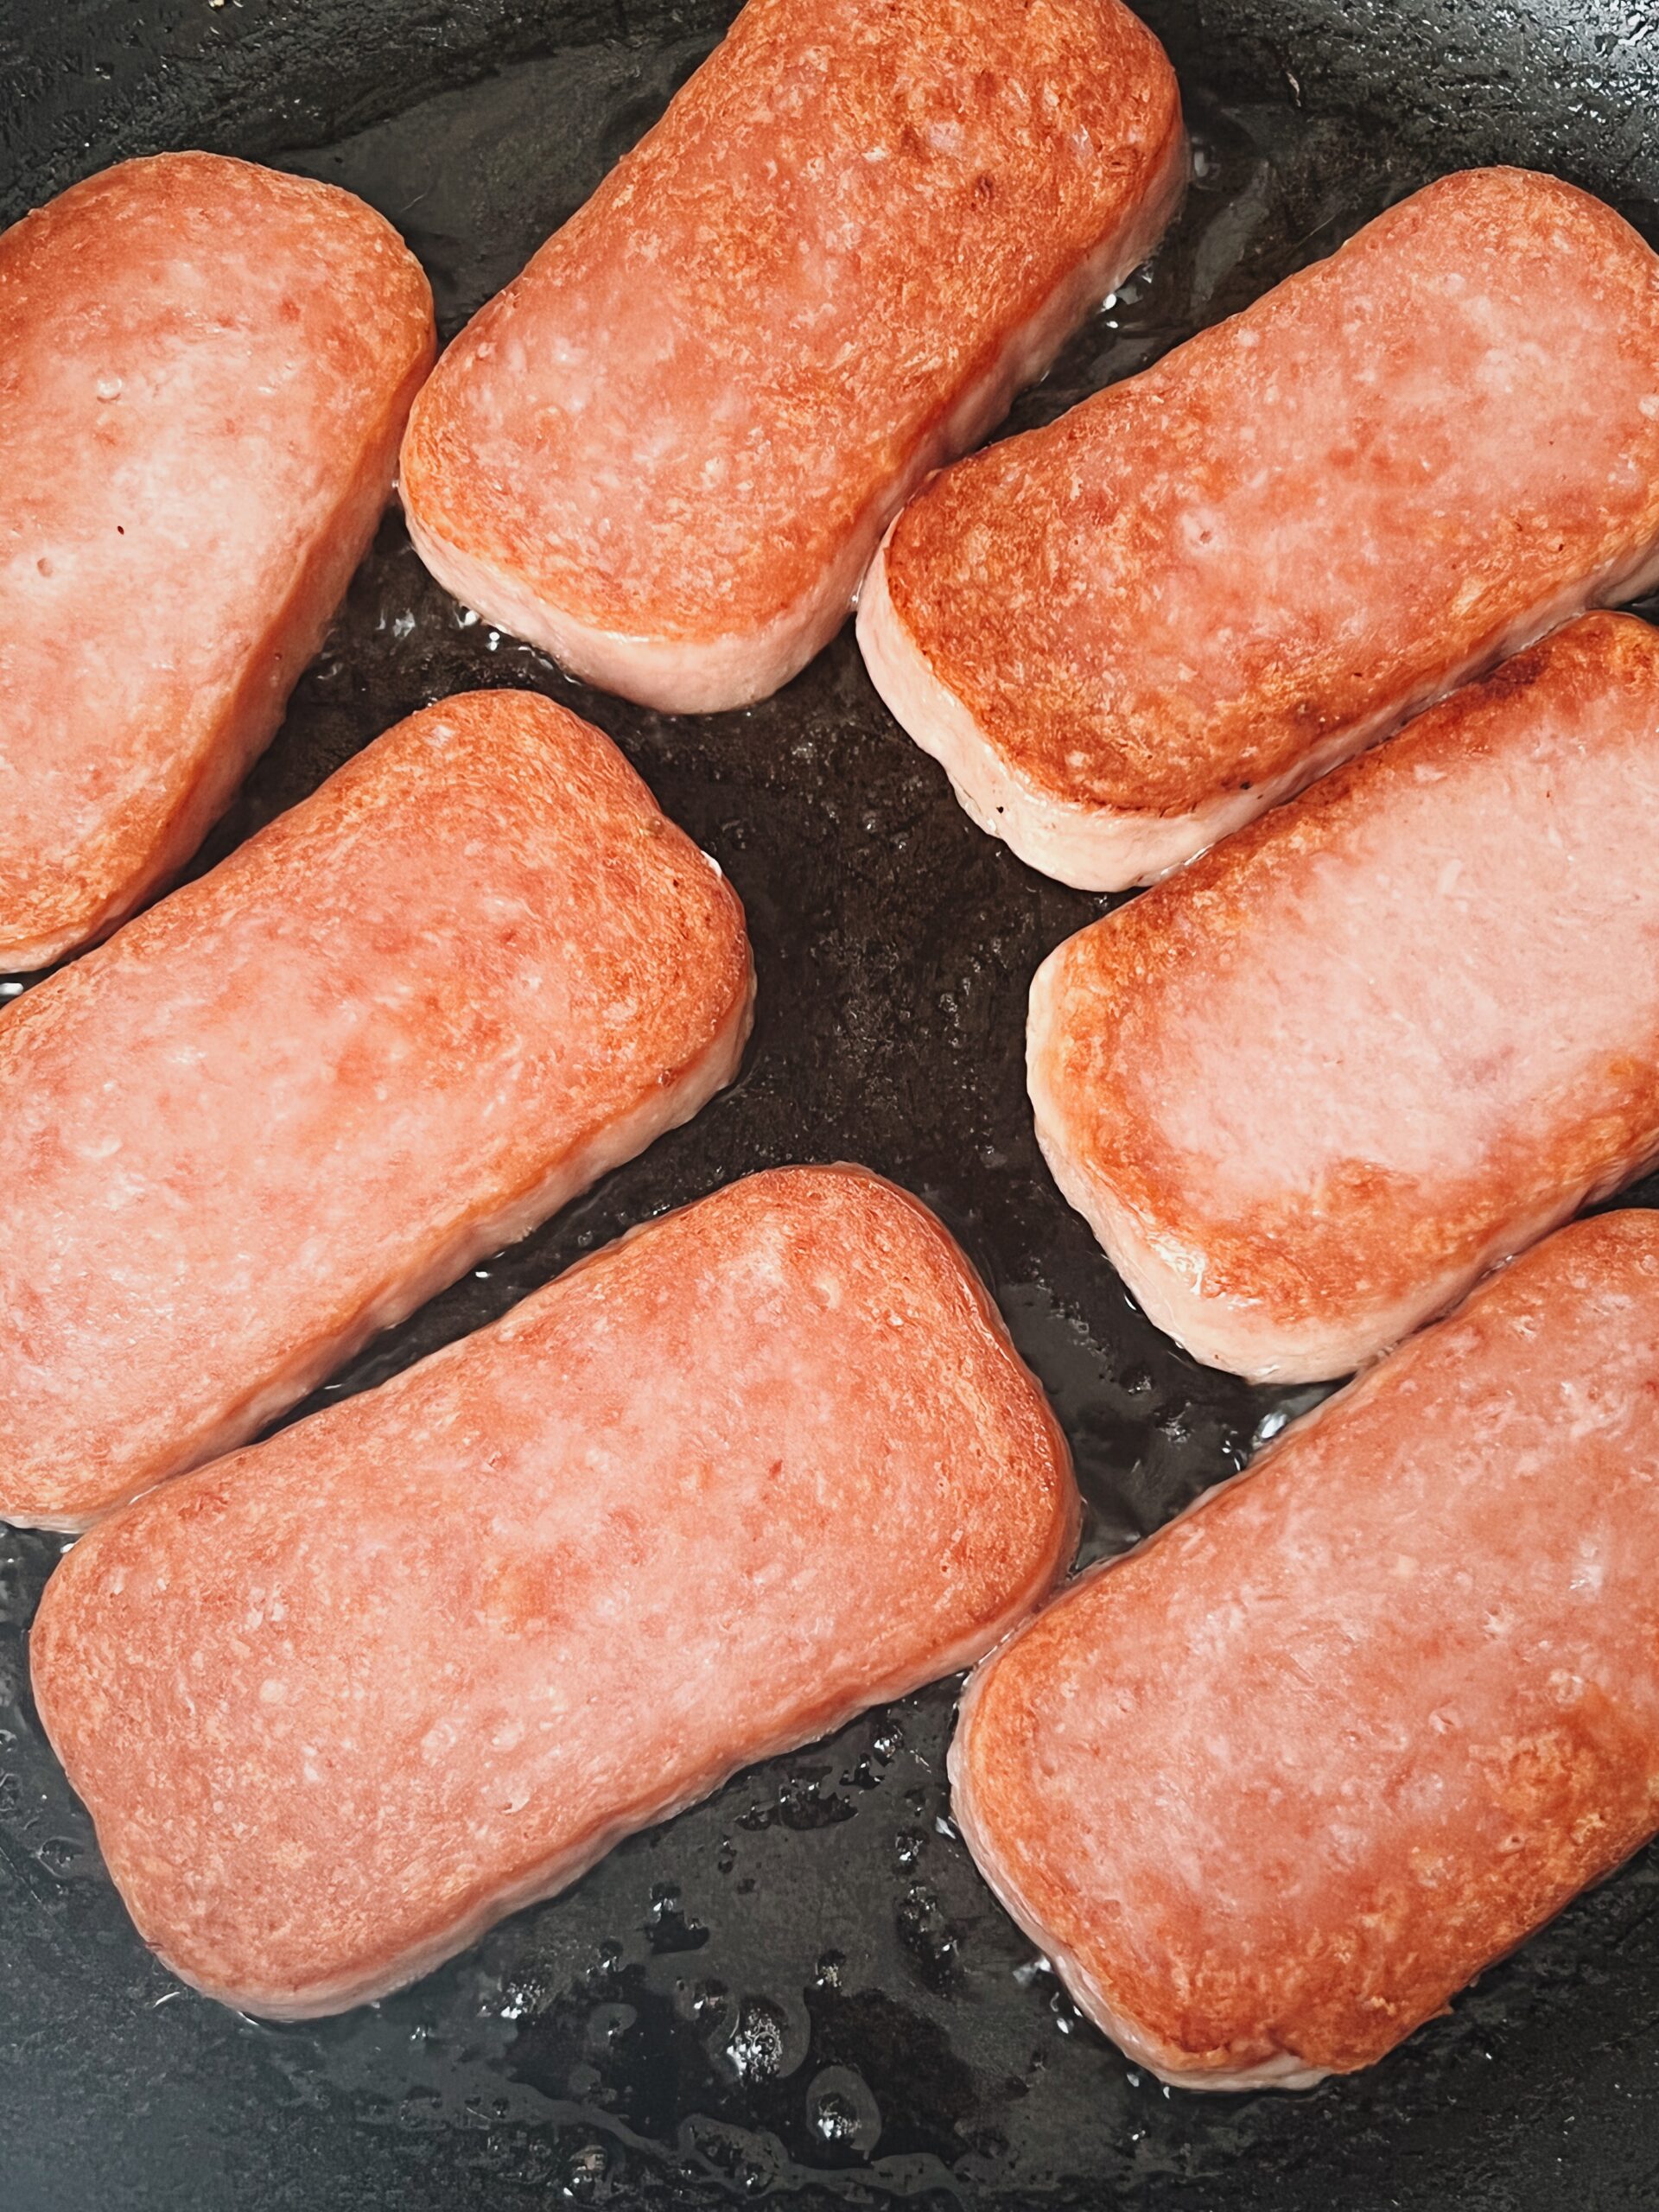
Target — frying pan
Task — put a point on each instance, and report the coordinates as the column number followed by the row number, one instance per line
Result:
column 801, row 1990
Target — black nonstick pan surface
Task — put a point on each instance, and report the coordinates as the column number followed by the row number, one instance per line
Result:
column 800, row 1992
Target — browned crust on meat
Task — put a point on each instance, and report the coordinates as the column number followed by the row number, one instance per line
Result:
column 383, row 340
column 1367, row 1243
column 972, row 260
column 971, row 567
column 1581, row 1796
column 517, row 760
column 292, row 1925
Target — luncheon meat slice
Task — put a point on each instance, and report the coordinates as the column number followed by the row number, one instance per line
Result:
column 394, row 1032
column 1126, row 634
column 338, row 1702
column 1306, row 1092
column 668, row 450
column 1271, row 1789
column 206, row 373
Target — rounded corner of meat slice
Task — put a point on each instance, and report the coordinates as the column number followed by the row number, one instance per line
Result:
column 208, row 368
column 400, row 1027
column 1127, row 633
column 1272, row 1786
column 666, row 452
column 339, row 1703
column 1309, row 1091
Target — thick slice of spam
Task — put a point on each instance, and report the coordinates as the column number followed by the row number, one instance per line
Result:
column 1270, row 1789
column 341, row 1701
column 1309, row 1089
column 1126, row 634
column 395, row 1031
column 208, row 368
column 1277, row 1784
column 668, row 450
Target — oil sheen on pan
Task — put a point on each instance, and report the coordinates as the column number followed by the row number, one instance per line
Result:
column 800, row 1987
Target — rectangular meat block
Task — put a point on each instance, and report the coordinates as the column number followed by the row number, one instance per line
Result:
column 394, row 1032
column 667, row 451
column 338, row 1703
column 1271, row 1789
column 1126, row 634
column 208, row 369
column 1309, row 1090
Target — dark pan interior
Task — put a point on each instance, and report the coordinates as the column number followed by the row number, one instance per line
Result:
column 801, row 1990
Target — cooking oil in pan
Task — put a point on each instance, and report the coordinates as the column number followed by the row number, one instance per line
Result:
column 802, row 1989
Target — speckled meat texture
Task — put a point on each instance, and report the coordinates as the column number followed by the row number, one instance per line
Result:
column 394, row 1032
column 341, row 1701
column 668, row 450
column 1269, row 1790
column 1128, row 633
column 1309, row 1091
column 206, row 371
